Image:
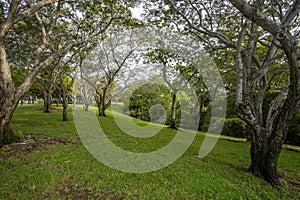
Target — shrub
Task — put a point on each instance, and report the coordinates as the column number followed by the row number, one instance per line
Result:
column 236, row 127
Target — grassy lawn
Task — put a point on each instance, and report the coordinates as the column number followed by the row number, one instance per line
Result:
column 53, row 164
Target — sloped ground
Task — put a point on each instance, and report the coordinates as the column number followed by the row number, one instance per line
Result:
column 51, row 163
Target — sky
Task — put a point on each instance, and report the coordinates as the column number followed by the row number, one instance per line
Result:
column 136, row 12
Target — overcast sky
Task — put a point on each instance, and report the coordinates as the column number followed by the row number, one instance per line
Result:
column 136, row 12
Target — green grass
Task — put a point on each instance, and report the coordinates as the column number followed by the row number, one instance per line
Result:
column 66, row 170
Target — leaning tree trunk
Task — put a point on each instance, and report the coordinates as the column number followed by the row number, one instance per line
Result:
column 173, row 111
column 8, row 106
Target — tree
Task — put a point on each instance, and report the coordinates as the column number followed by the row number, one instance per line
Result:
column 174, row 74
column 47, row 16
column 66, row 83
column 109, row 60
column 266, row 29
column 268, row 136
column 49, row 77
column 85, row 92
column 66, row 80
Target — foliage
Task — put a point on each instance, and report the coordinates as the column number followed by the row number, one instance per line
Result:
column 146, row 97
column 236, row 127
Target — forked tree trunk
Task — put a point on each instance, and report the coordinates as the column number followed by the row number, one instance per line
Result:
column 173, row 111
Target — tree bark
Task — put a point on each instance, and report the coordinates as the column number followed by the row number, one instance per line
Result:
column 173, row 111
column 265, row 150
column 65, row 105
column 200, row 117
column 8, row 105
column 47, row 101
column 103, row 106
column 7, row 135
column 98, row 99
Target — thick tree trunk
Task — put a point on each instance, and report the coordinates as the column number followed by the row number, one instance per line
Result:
column 102, row 111
column 173, row 111
column 262, row 164
column 265, row 150
column 7, row 108
column 47, row 101
column 7, row 135
column 65, row 105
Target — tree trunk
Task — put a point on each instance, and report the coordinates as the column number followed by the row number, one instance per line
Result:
column 47, row 101
column 173, row 111
column 8, row 106
column 265, row 150
column 7, row 135
column 86, row 105
column 65, row 105
column 264, row 164
column 200, row 115
column 103, row 107
column 98, row 99
column 99, row 108
column 101, row 111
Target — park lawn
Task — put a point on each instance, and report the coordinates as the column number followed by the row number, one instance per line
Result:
column 53, row 164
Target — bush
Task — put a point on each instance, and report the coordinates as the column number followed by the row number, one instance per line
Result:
column 236, row 127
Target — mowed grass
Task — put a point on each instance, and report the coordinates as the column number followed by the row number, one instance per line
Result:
column 66, row 170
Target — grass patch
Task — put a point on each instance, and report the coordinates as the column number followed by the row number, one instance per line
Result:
column 65, row 170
